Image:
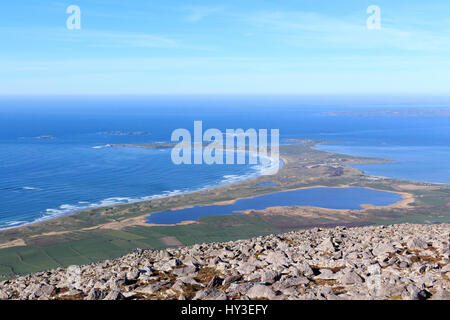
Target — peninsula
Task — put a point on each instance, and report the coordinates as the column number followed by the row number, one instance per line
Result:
column 110, row 232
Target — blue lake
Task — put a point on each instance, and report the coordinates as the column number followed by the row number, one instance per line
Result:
column 41, row 179
column 331, row 198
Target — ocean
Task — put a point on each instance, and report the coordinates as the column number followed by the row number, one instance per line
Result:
column 55, row 156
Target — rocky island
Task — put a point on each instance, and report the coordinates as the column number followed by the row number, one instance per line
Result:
column 126, row 133
column 398, row 112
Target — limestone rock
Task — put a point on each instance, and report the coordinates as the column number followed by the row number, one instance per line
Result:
column 114, row 295
column 383, row 249
column 351, row 277
column 417, row 244
column 210, row 294
column 260, row 291
column 374, row 262
column 326, row 246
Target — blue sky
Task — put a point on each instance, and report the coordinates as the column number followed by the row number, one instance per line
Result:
column 241, row 47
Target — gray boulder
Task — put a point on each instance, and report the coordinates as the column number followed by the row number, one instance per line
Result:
column 326, row 245
column 114, row 295
column 260, row 291
column 270, row 277
column 417, row 244
column 351, row 277
column 382, row 249
column 210, row 294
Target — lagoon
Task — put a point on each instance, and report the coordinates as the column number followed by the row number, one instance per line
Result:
column 331, row 198
column 77, row 169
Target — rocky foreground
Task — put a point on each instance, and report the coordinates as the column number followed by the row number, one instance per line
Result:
column 385, row 262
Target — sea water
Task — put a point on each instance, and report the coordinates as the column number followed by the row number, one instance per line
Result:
column 72, row 166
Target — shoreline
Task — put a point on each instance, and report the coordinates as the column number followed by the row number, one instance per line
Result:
column 242, row 178
column 142, row 220
column 387, row 161
column 284, row 162
column 407, row 198
column 113, row 231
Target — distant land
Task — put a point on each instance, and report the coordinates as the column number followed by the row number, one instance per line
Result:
column 407, row 112
column 110, row 232
column 125, row 133
column 394, row 263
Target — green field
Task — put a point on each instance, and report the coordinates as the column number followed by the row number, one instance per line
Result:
column 106, row 244
column 65, row 241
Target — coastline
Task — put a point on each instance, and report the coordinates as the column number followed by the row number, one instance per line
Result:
column 109, row 232
column 248, row 177
column 341, row 150
column 283, row 159
column 406, row 200
column 164, row 195
column 141, row 220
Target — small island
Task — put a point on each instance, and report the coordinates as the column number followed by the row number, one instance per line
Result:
column 109, row 232
column 126, row 133
column 397, row 112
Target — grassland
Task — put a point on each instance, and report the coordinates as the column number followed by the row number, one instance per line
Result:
column 109, row 232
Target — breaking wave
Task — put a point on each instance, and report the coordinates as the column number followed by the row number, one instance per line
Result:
column 265, row 166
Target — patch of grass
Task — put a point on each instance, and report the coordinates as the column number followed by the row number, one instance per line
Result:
column 99, row 245
column 334, row 269
column 205, row 275
column 338, row 290
column 69, row 244
column 120, row 234
column 324, row 282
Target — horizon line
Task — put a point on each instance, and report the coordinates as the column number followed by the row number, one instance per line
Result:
column 381, row 94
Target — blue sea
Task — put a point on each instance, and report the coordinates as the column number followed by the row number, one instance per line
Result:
column 42, row 178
